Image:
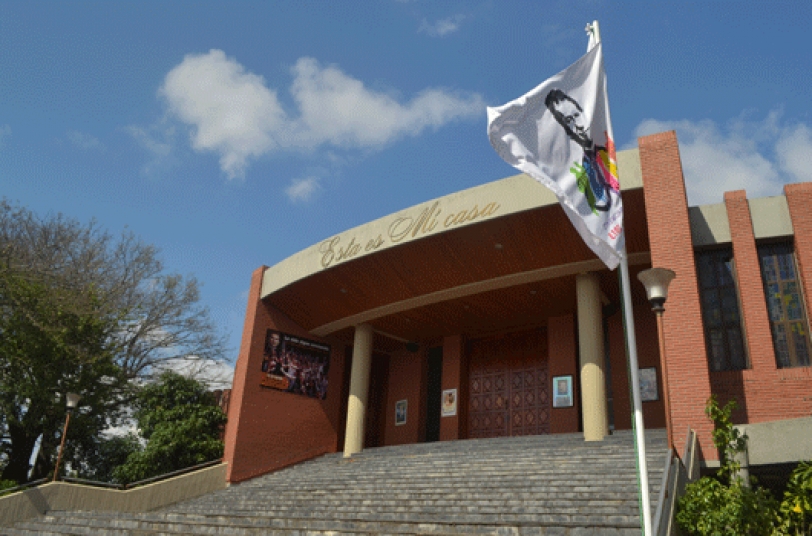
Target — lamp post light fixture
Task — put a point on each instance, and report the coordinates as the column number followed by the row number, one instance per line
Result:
column 72, row 402
column 656, row 281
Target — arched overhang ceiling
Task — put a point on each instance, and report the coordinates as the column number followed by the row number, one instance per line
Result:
column 512, row 264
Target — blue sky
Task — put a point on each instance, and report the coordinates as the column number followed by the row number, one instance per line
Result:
column 234, row 134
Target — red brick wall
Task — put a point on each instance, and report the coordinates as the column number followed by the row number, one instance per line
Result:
column 562, row 360
column 799, row 199
column 764, row 392
column 405, row 373
column 269, row 429
column 671, row 247
column 751, row 290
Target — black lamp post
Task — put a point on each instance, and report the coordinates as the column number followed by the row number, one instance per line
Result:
column 72, row 402
column 656, row 281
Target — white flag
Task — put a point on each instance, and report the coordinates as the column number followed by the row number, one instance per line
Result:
column 561, row 135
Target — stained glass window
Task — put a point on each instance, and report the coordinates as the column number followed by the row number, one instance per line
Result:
column 720, row 310
column 785, row 305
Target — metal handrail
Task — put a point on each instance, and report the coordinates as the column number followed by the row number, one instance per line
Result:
column 86, row 482
column 173, row 473
column 664, row 484
column 678, row 471
column 26, row 485
column 121, row 487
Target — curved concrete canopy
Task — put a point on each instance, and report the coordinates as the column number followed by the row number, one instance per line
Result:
column 493, row 236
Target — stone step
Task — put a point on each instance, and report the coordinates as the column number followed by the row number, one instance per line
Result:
column 544, row 496
column 506, row 486
column 530, row 486
column 407, row 473
column 540, row 464
column 510, row 495
column 101, row 524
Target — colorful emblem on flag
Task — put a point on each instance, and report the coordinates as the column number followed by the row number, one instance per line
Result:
column 596, row 174
column 560, row 134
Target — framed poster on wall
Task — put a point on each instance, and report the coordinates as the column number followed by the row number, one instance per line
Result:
column 401, row 408
column 449, row 406
column 562, row 392
column 648, row 384
column 295, row 365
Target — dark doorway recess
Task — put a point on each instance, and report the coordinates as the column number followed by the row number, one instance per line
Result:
column 376, row 401
column 434, row 388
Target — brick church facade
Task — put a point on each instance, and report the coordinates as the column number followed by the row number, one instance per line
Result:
column 472, row 316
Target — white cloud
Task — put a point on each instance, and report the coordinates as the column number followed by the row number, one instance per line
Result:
column 84, row 141
column 441, row 27
column 231, row 111
column 794, row 150
column 302, row 189
column 153, row 140
column 158, row 141
column 234, row 114
column 5, row 133
column 338, row 110
column 758, row 156
column 215, row 374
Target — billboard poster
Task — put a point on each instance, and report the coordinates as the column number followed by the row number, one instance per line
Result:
column 295, row 365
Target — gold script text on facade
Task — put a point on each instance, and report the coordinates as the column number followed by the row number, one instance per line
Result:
column 334, row 250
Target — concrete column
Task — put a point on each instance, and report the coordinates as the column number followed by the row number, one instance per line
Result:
column 359, row 389
column 590, row 339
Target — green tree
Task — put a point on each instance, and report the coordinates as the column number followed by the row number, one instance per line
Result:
column 84, row 311
column 182, row 423
column 106, row 454
column 49, row 348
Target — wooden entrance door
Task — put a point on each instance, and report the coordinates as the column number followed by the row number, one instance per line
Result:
column 509, row 387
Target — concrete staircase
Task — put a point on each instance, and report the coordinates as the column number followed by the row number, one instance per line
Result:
column 539, row 485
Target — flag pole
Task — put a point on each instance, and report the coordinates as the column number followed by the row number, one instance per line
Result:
column 634, row 376
column 637, row 421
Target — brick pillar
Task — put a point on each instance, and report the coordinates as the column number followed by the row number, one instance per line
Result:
column 799, row 199
column 563, row 361
column 453, row 378
column 671, row 247
column 253, row 334
column 751, row 289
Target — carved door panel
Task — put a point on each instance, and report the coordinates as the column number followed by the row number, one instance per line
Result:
column 489, row 404
column 508, row 390
column 529, row 401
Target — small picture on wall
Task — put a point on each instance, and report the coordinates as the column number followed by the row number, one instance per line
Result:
column 562, row 392
column 449, row 403
column 648, row 384
column 400, row 412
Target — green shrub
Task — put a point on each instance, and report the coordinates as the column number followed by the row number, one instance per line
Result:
column 796, row 508
column 725, row 505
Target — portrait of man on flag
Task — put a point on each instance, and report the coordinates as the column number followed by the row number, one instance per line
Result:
column 560, row 134
column 597, row 174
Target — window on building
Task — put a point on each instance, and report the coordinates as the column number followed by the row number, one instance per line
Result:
column 785, row 304
column 720, row 310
